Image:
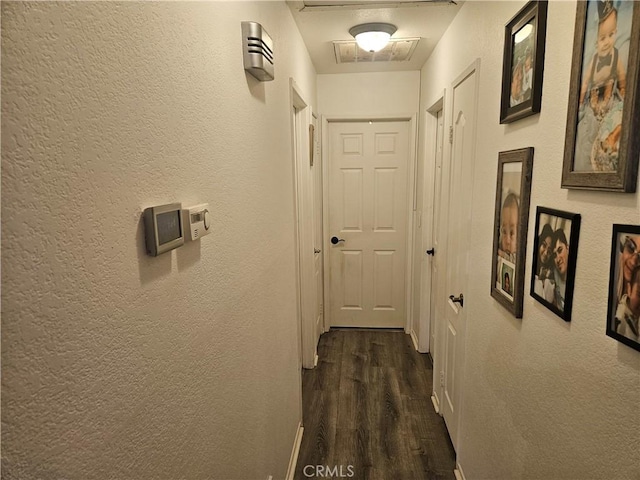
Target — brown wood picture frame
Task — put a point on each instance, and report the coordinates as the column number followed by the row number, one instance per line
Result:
column 513, row 194
column 602, row 144
column 523, row 62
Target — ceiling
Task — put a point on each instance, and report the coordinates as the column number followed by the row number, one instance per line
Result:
column 320, row 25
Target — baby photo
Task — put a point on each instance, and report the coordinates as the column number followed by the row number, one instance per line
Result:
column 511, row 218
column 603, row 85
column 510, row 211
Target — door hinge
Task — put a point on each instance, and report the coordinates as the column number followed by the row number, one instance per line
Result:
column 442, row 379
column 451, row 134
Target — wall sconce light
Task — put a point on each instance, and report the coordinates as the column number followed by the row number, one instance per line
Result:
column 257, row 51
column 373, row 37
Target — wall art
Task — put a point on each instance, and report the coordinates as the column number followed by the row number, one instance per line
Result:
column 623, row 318
column 523, row 62
column 602, row 142
column 555, row 251
column 511, row 220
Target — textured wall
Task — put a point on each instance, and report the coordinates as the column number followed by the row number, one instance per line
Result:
column 115, row 364
column 543, row 399
column 368, row 93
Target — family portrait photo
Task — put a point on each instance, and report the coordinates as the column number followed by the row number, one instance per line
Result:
column 513, row 191
column 523, row 62
column 554, row 259
column 522, row 70
column 623, row 322
column 601, row 151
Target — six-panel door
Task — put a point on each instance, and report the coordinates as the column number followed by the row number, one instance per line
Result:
column 368, row 209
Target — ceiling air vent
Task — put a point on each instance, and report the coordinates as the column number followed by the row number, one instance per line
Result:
column 257, row 51
column 397, row 50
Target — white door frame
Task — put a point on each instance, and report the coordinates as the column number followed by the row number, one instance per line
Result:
column 303, row 206
column 438, row 359
column 428, row 231
column 411, row 185
column 317, row 172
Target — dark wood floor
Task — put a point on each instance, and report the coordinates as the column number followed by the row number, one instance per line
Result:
column 368, row 405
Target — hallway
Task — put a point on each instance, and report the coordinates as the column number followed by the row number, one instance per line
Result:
column 186, row 365
column 367, row 409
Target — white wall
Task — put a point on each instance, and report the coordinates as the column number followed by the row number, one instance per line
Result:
column 382, row 93
column 542, row 398
column 116, row 364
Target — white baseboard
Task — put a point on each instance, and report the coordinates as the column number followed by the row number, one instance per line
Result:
column 414, row 338
column 458, row 472
column 436, row 406
column 293, row 461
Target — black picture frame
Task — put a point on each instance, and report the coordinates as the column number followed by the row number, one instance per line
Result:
column 555, row 248
column 523, row 62
column 623, row 308
column 601, row 143
column 513, row 194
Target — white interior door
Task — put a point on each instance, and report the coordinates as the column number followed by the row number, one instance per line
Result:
column 459, row 220
column 316, row 172
column 436, row 252
column 368, row 210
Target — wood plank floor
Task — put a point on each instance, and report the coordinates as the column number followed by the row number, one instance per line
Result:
column 368, row 405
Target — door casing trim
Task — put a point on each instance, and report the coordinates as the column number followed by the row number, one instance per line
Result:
column 301, row 109
column 411, row 184
column 428, row 203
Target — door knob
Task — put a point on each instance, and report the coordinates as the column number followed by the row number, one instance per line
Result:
column 459, row 299
column 336, row 240
column 431, row 251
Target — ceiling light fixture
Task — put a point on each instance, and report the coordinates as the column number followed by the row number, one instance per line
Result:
column 373, row 37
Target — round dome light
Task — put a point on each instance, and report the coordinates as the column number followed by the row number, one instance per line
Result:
column 373, row 37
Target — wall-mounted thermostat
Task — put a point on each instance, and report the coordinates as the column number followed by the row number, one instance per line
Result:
column 199, row 220
column 163, row 228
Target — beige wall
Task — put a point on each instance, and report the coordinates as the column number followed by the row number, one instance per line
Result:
column 381, row 93
column 116, row 364
column 542, row 398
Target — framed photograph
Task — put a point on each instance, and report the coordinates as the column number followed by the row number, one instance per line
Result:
column 602, row 145
column 513, row 192
column 555, row 251
column 624, row 286
column 523, row 62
